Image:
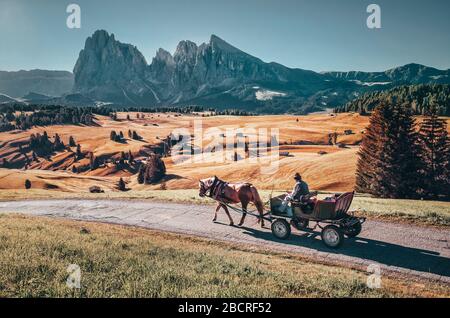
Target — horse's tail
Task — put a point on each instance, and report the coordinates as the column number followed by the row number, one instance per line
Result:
column 257, row 200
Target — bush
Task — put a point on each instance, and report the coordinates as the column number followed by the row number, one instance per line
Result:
column 121, row 185
column 27, row 184
column 153, row 171
column 96, row 189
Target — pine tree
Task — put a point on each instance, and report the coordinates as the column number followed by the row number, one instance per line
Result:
column 155, row 169
column 72, row 142
column 93, row 161
column 370, row 150
column 121, row 185
column 435, row 156
column 388, row 162
column 136, row 136
column 58, row 144
column 141, row 174
column 27, row 184
column 400, row 164
column 79, row 153
column 122, row 158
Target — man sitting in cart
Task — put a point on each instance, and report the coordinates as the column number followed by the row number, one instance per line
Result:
column 300, row 194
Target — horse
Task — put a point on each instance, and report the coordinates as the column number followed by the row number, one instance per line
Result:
column 224, row 192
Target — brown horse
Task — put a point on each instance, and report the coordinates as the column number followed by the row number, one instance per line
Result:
column 224, row 192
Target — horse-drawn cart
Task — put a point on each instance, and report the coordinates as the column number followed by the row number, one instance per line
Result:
column 331, row 216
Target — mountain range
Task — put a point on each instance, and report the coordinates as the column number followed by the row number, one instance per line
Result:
column 214, row 74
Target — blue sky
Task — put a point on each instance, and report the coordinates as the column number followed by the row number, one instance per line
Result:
column 321, row 35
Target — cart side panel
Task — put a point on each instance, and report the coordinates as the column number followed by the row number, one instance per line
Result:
column 325, row 210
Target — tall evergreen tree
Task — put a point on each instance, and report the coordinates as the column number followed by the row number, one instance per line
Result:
column 72, row 142
column 435, row 157
column 370, row 150
column 141, row 174
column 399, row 170
column 388, row 164
column 79, row 153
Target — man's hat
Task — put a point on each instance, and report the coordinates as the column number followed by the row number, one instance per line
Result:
column 297, row 176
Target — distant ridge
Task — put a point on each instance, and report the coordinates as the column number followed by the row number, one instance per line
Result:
column 214, row 74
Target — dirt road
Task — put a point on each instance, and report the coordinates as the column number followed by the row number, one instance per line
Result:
column 397, row 248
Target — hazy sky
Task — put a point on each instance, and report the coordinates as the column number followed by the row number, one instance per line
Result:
column 316, row 34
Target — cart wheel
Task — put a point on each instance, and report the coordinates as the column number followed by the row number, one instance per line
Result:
column 281, row 229
column 353, row 231
column 332, row 236
column 300, row 224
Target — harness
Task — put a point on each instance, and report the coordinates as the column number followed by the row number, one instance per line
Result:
column 216, row 189
column 216, row 192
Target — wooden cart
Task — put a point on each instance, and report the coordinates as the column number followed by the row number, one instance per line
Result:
column 330, row 215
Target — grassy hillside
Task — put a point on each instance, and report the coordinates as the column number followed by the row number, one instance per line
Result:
column 117, row 261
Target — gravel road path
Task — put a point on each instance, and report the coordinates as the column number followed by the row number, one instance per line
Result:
column 396, row 247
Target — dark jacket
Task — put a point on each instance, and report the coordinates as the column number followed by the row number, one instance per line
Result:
column 300, row 189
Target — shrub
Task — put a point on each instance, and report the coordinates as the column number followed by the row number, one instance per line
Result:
column 121, row 185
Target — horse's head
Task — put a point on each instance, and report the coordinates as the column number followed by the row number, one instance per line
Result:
column 204, row 185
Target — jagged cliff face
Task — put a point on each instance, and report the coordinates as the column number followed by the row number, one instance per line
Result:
column 214, row 73
column 111, row 71
column 218, row 74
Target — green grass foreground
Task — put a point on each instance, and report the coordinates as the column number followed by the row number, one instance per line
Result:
column 118, row 261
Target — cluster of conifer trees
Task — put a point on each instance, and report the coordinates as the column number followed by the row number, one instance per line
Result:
column 420, row 98
column 397, row 159
column 42, row 115
column 153, row 171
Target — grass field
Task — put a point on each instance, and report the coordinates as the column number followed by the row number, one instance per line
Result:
column 118, row 261
column 415, row 211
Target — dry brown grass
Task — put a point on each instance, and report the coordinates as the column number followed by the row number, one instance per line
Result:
column 324, row 172
column 333, row 171
column 119, row 261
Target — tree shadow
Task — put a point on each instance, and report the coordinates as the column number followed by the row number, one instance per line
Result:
column 168, row 177
column 377, row 251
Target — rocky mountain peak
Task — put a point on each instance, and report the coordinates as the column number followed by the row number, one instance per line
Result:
column 163, row 56
column 107, row 63
column 99, row 40
column 218, row 74
column 186, row 50
column 218, row 44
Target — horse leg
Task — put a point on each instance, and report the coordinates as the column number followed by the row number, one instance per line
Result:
column 228, row 213
column 259, row 205
column 215, row 213
column 244, row 214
